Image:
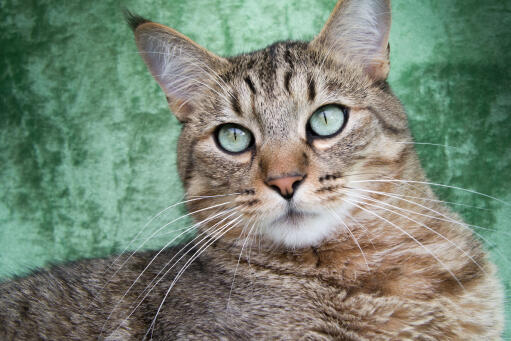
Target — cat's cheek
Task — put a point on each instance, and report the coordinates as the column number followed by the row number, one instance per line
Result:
column 389, row 149
column 219, row 169
column 306, row 197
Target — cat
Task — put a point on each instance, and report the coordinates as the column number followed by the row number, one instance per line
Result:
column 315, row 219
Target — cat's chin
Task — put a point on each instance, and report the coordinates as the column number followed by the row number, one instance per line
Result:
column 296, row 229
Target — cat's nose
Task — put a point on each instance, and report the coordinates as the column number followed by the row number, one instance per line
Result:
column 285, row 185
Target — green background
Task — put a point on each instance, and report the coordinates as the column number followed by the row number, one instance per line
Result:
column 87, row 144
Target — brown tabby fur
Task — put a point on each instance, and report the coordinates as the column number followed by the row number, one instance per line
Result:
column 421, row 274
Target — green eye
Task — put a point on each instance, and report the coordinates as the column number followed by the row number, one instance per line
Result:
column 233, row 138
column 327, row 120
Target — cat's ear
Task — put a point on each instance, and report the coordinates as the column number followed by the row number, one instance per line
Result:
column 181, row 67
column 359, row 29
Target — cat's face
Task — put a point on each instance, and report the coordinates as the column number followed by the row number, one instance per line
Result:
column 279, row 134
column 273, row 94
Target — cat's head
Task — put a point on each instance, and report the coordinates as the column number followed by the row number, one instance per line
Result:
column 281, row 134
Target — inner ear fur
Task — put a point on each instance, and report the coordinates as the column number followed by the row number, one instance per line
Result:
column 182, row 68
column 359, row 30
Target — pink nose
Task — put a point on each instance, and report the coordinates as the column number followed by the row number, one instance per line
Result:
column 285, row 185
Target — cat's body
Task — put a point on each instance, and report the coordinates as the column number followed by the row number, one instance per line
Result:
column 269, row 300
column 305, row 232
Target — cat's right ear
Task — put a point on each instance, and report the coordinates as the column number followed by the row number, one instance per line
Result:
column 179, row 65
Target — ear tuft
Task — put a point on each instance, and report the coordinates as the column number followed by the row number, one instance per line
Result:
column 133, row 20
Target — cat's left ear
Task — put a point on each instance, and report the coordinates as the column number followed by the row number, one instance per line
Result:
column 359, row 29
column 183, row 69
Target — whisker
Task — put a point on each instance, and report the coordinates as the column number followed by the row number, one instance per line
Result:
column 161, row 228
column 156, row 216
column 237, row 265
column 353, row 237
column 147, row 290
column 421, row 224
column 362, row 227
column 447, row 218
column 256, row 235
column 205, row 232
column 172, row 232
column 410, row 236
column 439, row 185
column 214, row 196
column 152, row 235
column 197, row 197
column 424, row 199
column 430, row 144
column 154, row 258
column 203, row 248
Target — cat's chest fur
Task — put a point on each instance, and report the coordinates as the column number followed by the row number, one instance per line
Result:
column 258, row 302
column 251, row 300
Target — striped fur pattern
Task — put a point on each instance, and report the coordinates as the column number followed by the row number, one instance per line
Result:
column 363, row 250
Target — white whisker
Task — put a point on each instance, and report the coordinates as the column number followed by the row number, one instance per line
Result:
column 353, row 237
column 410, row 236
column 238, row 263
column 445, row 217
column 154, row 233
column 148, row 289
column 156, row 216
column 362, row 227
column 154, row 258
column 429, row 144
column 439, row 185
column 203, row 248
column 424, row 199
column 421, row 224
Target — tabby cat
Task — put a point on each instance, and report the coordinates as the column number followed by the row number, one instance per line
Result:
column 315, row 220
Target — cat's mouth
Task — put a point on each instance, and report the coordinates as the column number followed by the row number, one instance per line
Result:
column 293, row 217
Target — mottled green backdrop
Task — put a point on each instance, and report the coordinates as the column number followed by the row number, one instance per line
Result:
column 87, row 144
